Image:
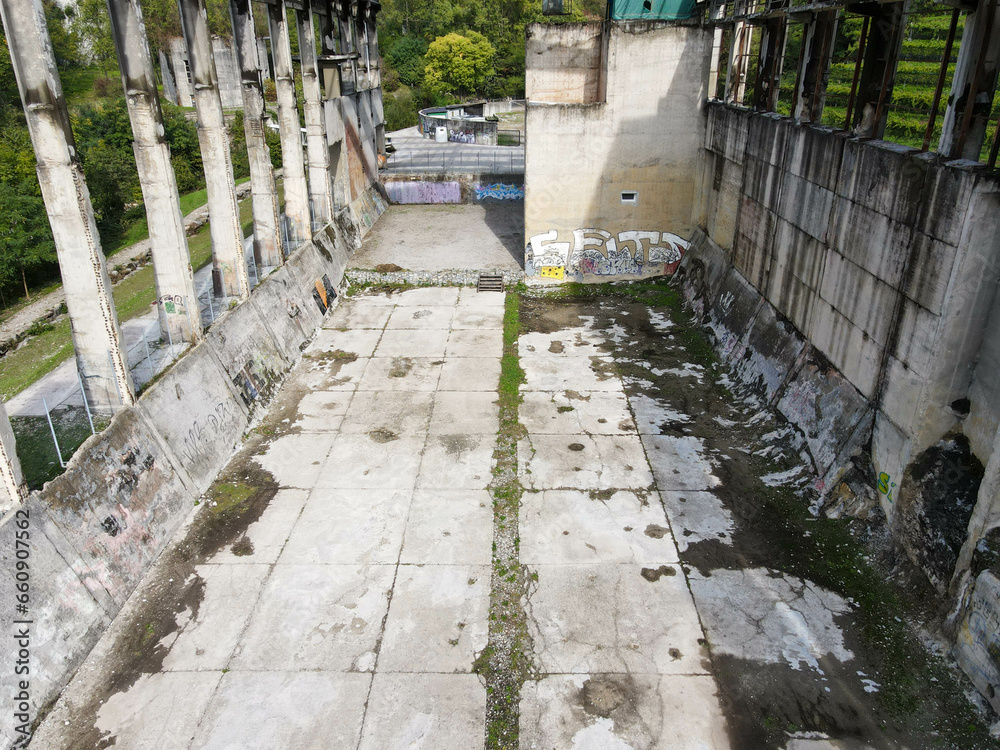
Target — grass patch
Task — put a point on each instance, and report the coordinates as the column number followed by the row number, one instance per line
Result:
column 505, row 662
column 42, row 353
column 37, row 452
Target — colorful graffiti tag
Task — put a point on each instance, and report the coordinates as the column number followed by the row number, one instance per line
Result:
column 886, row 485
column 500, row 191
column 596, row 252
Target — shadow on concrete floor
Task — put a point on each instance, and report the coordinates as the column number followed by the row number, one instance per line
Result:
column 447, row 236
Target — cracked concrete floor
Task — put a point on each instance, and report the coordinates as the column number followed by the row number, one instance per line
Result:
column 617, row 642
column 355, row 618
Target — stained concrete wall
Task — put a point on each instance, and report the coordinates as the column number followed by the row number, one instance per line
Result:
column 876, row 264
column 424, row 189
column 581, row 157
column 564, row 63
column 93, row 532
column 181, row 92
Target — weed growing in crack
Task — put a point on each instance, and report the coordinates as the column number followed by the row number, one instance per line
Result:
column 505, row 662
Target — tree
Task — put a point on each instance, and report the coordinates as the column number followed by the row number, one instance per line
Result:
column 26, row 243
column 458, row 64
column 93, row 25
column 406, row 56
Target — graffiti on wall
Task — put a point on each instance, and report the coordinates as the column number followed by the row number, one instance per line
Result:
column 886, row 485
column 500, row 191
column 461, row 136
column 596, row 252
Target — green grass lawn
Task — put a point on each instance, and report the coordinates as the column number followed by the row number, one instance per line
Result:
column 41, row 354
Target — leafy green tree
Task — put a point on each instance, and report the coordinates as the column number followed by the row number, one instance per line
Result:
column 26, row 244
column 93, row 26
column 406, row 56
column 458, row 64
column 65, row 42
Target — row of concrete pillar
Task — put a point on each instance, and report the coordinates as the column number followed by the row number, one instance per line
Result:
column 97, row 337
column 964, row 125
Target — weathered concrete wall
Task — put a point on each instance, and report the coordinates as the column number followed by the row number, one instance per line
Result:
column 182, row 75
column 230, row 89
column 457, row 188
column 91, row 534
column 880, row 263
column 978, row 648
column 644, row 139
column 564, row 63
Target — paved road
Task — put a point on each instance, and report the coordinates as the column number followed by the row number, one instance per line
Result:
column 415, row 154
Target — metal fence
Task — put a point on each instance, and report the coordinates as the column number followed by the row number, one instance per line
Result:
column 457, row 161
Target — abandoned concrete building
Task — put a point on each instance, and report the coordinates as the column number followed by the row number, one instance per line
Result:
column 432, row 515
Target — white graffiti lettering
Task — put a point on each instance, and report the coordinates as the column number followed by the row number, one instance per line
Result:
column 598, row 252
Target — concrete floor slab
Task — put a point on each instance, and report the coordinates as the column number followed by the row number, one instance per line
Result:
column 421, row 318
column 467, row 412
column 205, row 638
column 264, row 538
column 412, row 344
column 322, row 411
column 559, row 527
column 428, row 711
column 469, row 296
column 296, row 460
column 470, row 374
column 622, row 712
column 679, row 463
column 438, row 619
column 159, row 712
column 697, row 517
column 317, row 617
column 566, row 342
column 401, row 374
column 449, row 527
column 307, row 710
column 586, row 413
column 320, row 372
column 475, row 343
column 360, row 462
column 478, row 318
column 400, row 412
column 446, row 296
column 584, row 619
column 569, row 373
column 361, row 342
column 586, row 462
column 456, row 462
column 345, row 527
column 365, row 312
column 653, row 417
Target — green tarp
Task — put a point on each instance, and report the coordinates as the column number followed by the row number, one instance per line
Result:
column 659, row 10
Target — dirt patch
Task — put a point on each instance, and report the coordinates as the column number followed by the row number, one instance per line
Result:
column 234, row 502
column 401, row 367
column 655, row 574
column 388, row 268
column 656, row 532
column 383, row 435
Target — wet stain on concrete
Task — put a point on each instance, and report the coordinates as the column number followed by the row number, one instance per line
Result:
column 655, row 574
column 656, row 532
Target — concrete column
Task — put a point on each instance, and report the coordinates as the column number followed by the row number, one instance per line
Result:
column 977, row 65
column 268, row 245
column 179, row 311
column 819, row 37
column 12, row 488
column 167, row 76
column 320, row 188
column 874, row 94
column 292, row 162
column 182, row 76
column 97, row 337
column 229, row 268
